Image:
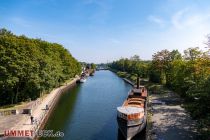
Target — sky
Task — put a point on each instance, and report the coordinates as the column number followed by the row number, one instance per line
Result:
column 101, row 31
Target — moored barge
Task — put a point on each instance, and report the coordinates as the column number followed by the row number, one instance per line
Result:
column 132, row 115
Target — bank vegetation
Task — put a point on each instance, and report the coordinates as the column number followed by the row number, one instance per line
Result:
column 31, row 67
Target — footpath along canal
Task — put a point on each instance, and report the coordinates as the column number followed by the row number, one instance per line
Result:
column 88, row 110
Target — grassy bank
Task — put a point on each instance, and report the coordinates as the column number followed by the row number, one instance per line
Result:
column 131, row 77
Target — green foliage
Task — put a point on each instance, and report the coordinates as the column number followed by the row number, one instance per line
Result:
column 133, row 66
column 31, row 66
column 189, row 75
column 133, row 78
column 93, row 66
column 121, row 74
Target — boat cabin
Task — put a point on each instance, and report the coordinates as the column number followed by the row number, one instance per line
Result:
column 138, row 92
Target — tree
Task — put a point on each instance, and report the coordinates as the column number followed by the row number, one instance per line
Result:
column 134, row 66
column 93, row 66
column 160, row 61
column 29, row 67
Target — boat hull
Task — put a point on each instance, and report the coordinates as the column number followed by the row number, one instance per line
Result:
column 82, row 80
column 130, row 131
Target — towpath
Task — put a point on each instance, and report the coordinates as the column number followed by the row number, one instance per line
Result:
column 169, row 120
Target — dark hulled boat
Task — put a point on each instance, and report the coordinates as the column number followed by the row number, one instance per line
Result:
column 132, row 115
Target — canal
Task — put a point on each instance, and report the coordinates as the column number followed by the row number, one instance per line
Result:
column 88, row 110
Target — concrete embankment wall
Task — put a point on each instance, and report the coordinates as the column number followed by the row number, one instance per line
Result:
column 53, row 103
column 128, row 81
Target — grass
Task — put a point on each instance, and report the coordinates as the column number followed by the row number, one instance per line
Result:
column 67, row 81
column 149, row 120
column 128, row 76
column 22, row 104
column 13, row 106
column 122, row 74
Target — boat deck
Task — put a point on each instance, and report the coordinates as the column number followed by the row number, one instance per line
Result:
column 135, row 102
column 137, row 97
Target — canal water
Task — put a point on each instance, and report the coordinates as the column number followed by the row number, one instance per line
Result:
column 88, row 110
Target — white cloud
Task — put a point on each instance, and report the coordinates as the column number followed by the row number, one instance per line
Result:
column 157, row 20
column 187, row 18
column 177, row 18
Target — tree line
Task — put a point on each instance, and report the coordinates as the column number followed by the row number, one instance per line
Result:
column 133, row 66
column 30, row 67
column 188, row 74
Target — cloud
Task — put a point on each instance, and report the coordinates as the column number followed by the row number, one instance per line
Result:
column 177, row 17
column 186, row 18
column 157, row 20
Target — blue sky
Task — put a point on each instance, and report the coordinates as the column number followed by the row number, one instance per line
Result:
column 106, row 30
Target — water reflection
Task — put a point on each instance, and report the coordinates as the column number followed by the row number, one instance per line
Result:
column 140, row 136
column 88, row 111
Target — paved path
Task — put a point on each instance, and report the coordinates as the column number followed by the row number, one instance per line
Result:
column 23, row 122
column 170, row 120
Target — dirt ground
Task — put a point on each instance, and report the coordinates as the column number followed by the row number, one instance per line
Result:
column 169, row 120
